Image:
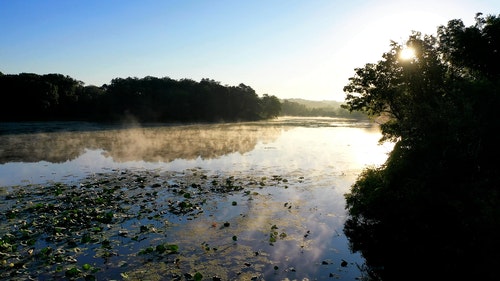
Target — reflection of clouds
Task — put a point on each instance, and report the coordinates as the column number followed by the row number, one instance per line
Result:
column 153, row 144
column 311, row 214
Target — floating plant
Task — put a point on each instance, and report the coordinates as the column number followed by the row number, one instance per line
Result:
column 99, row 227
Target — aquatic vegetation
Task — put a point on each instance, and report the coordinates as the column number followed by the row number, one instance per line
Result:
column 145, row 224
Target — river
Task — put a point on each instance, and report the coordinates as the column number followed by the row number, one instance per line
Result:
column 283, row 222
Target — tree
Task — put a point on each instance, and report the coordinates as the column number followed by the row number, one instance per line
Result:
column 27, row 96
column 271, row 106
column 36, row 97
column 440, row 181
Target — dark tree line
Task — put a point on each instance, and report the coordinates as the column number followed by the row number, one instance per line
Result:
column 432, row 211
column 33, row 97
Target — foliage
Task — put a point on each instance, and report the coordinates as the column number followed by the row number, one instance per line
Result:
column 32, row 97
column 436, row 198
column 271, row 106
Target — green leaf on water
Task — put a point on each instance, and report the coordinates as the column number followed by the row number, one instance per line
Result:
column 161, row 249
column 198, row 276
column 72, row 272
column 86, row 266
column 172, row 248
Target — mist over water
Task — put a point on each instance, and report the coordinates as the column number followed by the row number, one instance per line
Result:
column 315, row 145
column 315, row 159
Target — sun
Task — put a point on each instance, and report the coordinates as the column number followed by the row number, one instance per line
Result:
column 407, row 53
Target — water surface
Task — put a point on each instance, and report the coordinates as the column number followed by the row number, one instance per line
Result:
column 288, row 215
column 333, row 147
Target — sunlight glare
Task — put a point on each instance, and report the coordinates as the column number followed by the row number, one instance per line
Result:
column 407, row 53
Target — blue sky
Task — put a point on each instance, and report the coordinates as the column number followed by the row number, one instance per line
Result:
column 288, row 48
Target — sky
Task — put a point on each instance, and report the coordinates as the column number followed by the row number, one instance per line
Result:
column 288, row 48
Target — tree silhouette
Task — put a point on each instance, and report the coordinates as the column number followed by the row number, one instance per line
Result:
column 150, row 99
column 432, row 209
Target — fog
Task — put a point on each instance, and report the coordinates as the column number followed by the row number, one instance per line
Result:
column 285, row 145
column 151, row 144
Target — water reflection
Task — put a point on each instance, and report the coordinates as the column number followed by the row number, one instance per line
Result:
column 319, row 158
column 150, row 144
column 64, row 152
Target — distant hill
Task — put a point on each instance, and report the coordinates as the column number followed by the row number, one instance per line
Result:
column 327, row 108
column 317, row 104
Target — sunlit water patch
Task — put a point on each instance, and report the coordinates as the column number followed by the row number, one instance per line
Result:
column 230, row 201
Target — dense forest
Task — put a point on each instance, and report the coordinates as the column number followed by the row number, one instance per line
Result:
column 432, row 211
column 33, row 97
